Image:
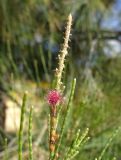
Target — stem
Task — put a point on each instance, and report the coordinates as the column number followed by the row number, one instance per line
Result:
column 20, row 134
column 53, row 134
column 6, row 150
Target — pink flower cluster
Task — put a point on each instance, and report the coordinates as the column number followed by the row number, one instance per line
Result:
column 54, row 97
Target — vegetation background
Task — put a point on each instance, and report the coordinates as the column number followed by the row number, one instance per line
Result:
column 31, row 34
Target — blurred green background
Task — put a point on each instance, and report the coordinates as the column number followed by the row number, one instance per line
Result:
column 31, row 34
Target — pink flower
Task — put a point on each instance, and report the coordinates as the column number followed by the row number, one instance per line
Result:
column 54, row 97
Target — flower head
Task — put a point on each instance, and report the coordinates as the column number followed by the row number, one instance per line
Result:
column 54, row 97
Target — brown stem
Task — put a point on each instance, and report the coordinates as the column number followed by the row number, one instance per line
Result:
column 53, row 132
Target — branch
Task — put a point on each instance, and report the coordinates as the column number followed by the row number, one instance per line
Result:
column 102, row 34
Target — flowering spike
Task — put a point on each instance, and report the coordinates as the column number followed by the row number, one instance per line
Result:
column 63, row 54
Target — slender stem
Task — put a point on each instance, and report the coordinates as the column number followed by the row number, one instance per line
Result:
column 30, row 134
column 53, row 134
column 6, row 149
column 108, row 144
column 20, row 134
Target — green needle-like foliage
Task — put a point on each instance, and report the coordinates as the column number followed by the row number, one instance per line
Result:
column 20, row 134
column 30, row 134
column 6, row 150
column 66, row 115
column 108, row 144
column 49, row 128
column 75, row 147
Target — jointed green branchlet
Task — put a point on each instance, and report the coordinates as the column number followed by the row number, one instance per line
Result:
column 49, row 127
column 75, row 147
column 30, row 134
column 6, row 150
column 20, row 134
column 66, row 116
column 108, row 144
